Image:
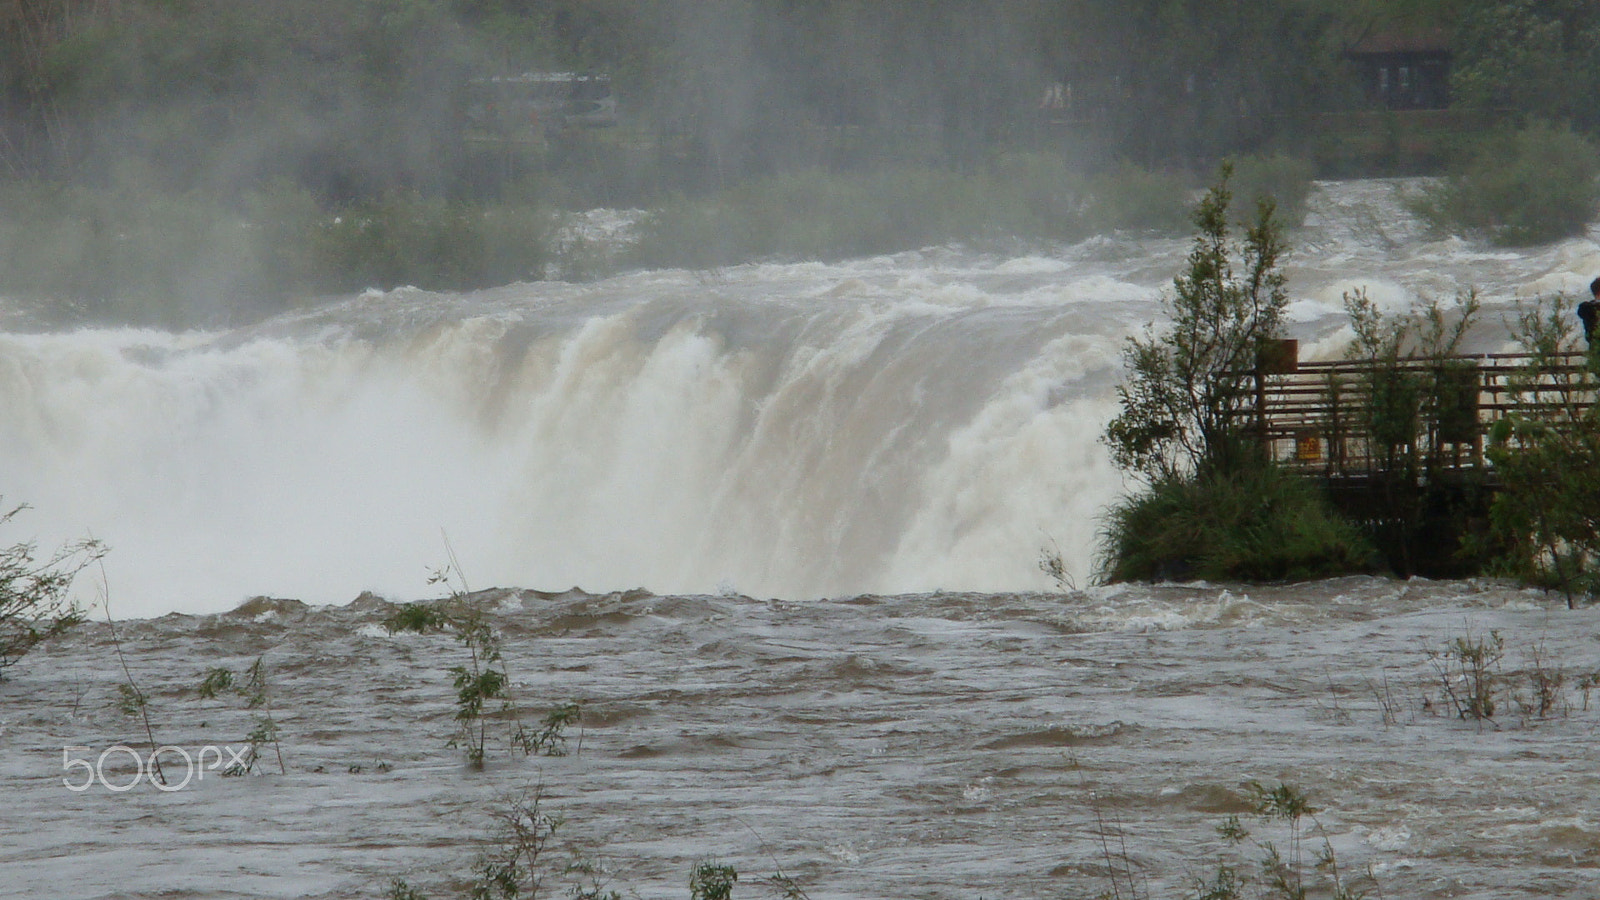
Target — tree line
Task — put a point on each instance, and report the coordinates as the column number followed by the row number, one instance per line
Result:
column 355, row 98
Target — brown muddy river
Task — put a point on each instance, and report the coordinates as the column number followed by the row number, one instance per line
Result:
column 930, row 746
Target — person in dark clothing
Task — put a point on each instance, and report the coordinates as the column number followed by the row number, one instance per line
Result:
column 1589, row 312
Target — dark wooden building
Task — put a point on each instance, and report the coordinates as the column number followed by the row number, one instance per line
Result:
column 1404, row 70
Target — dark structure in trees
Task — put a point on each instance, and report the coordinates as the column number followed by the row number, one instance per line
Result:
column 1405, row 71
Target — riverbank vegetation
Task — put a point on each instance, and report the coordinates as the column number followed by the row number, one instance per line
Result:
column 1211, row 502
column 1517, row 188
column 1212, row 505
column 204, row 161
column 1546, row 519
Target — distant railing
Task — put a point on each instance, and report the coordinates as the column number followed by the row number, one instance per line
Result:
column 1318, row 416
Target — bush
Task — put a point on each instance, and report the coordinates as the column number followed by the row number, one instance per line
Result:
column 1518, row 189
column 431, row 243
column 126, row 253
column 1546, row 518
column 816, row 215
column 141, row 255
column 1285, row 180
column 1253, row 524
column 34, row 606
column 1215, row 507
column 1135, row 199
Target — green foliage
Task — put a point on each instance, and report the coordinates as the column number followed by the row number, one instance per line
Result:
column 1399, row 398
column 514, row 866
column 264, row 731
column 1213, row 507
column 139, row 253
column 820, row 214
column 1469, row 674
column 1520, row 188
column 552, row 737
column 1538, row 58
column 1546, row 683
column 524, row 857
column 217, row 680
column 1132, row 198
column 1283, row 180
column 1253, row 524
column 1187, row 386
column 1412, row 413
column 1288, row 872
column 253, row 688
column 477, row 683
column 1225, row 884
column 431, row 243
column 711, row 880
column 400, row 889
column 34, row 606
column 130, row 700
column 817, row 215
column 482, row 685
column 1546, row 518
column 1282, row 802
column 419, row 618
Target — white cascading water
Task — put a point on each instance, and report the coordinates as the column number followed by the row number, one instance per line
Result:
column 909, row 423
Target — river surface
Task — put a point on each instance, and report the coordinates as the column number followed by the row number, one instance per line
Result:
column 921, row 745
column 804, row 507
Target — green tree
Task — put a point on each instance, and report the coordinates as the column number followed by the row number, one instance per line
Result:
column 1536, row 57
column 1188, row 386
column 1213, row 505
column 1546, row 517
column 1415, row 404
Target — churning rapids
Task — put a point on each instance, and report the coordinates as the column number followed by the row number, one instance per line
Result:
column 949, row 746
column 909, row 423
column 874, row 442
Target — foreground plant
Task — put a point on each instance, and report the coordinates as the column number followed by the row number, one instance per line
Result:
column 711, row 880
column 1414, row 406
column 34, row 606
column 1546, row 520
column 1287, row 872
column 1469, row 674
column 253, row 688
column 482, row 685
column 522, row 857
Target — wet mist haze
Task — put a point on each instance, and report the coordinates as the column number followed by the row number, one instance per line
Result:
column 195, row 161
column 353, row 98
column 253, row 127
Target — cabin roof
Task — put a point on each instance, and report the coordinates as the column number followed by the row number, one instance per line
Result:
column 1428, row 41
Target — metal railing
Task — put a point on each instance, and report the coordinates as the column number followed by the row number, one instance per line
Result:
column 1361, row 418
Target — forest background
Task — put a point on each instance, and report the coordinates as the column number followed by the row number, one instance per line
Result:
column 202, row 161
